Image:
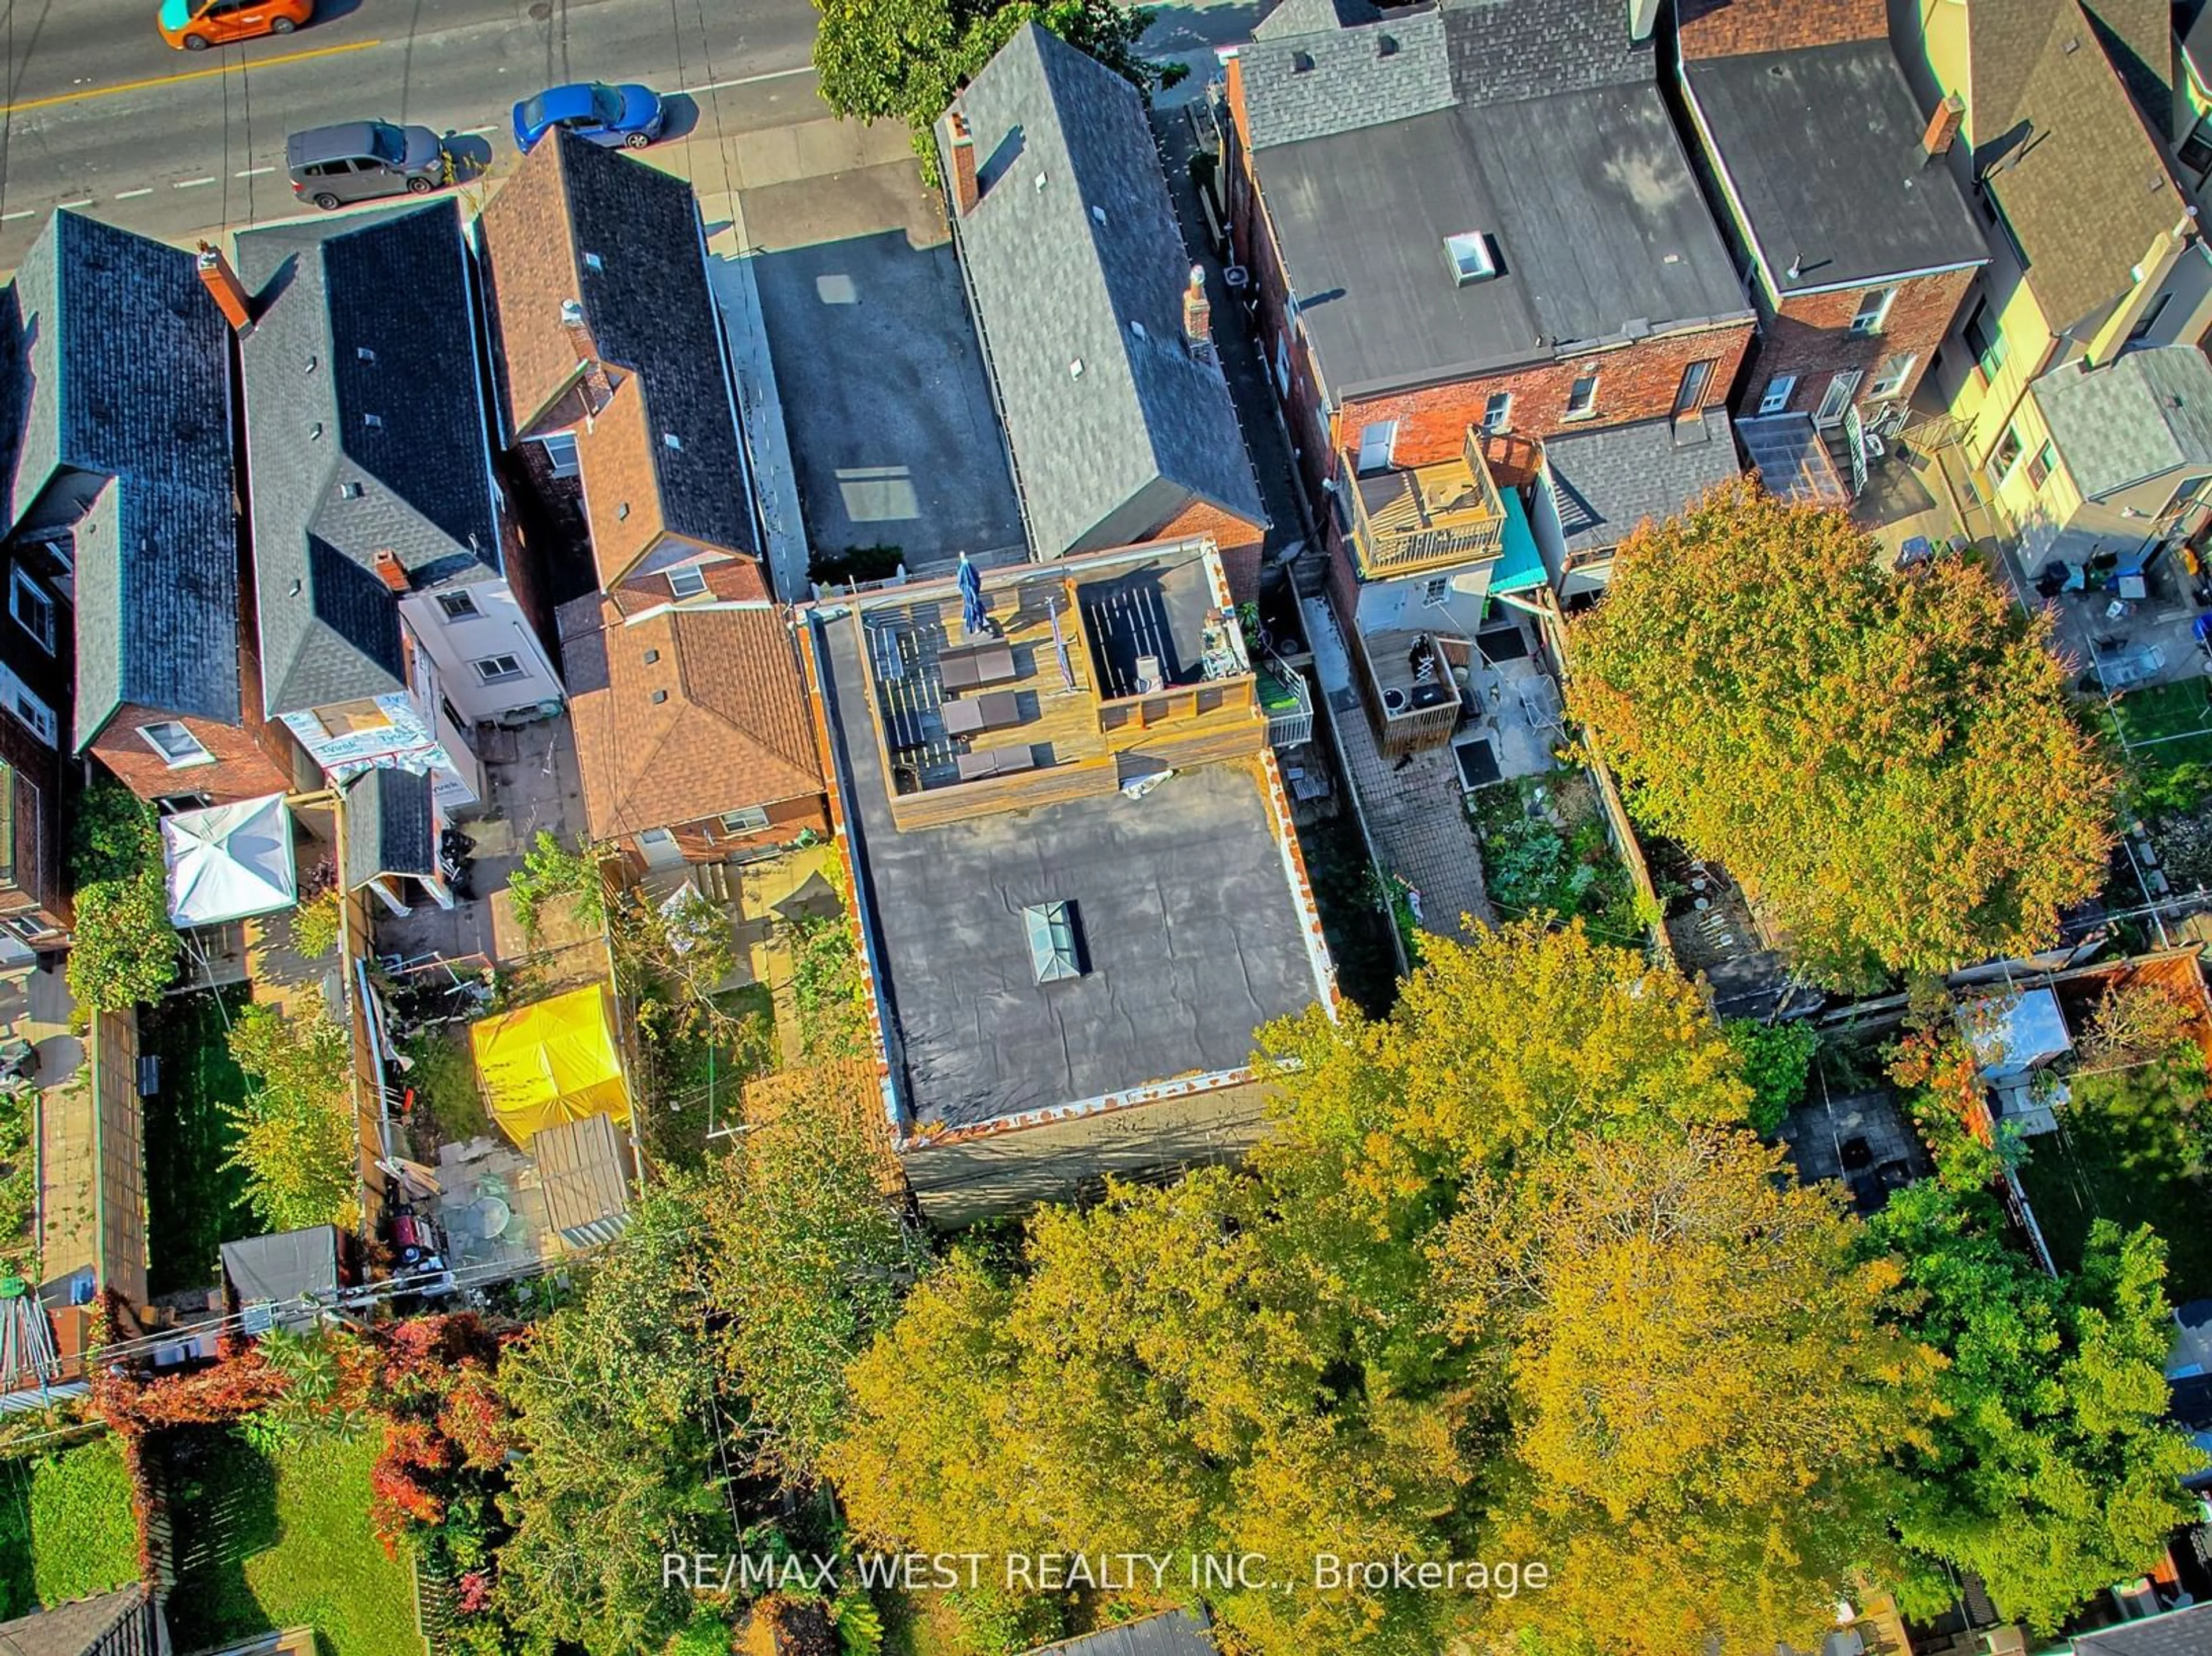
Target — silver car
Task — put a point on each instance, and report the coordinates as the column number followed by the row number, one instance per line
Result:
column 360, row 160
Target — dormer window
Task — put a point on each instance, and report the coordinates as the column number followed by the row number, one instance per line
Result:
column 1470, row 256
column 687, row 581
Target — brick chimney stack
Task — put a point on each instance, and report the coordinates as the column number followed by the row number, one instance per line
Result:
column 1943, row 126
column 224, row 286
column 1197, row 313
column 964, row 190
column 392, row 572
column 598, row 390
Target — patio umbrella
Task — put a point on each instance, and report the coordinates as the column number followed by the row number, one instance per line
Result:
column 972, row 616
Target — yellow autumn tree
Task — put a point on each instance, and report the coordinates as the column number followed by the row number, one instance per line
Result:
column 1889, row 761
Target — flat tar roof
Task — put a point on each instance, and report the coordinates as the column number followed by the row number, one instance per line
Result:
column 1586, row 200
column 1191, row 932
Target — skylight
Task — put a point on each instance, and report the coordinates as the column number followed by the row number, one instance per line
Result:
column 1469, row 253
column 1055, row 947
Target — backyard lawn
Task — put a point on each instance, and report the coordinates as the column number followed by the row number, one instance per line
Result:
column 66, row 1530
column 267, row 1543
column 194, row 1204
column 2132, row 1147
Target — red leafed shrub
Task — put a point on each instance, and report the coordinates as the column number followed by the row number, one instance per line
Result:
column 475, row 1419
column 398, row 1493
column 474, row 1594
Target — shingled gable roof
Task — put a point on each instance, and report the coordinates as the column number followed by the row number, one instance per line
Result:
column 623, row 241
column 1117, row 427
column 1293, row 17
column 124, row 1622
column 359, row 320
column 2083, row 186
column 685, row 712
column 121, row 371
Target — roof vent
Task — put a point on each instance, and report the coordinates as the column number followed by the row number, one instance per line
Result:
column 1386, row 45
column 1097, row 214
column 315, row 432
column 622, row 512
column 671, row 441
column 1040, row 180
column 310, row 366
column 348, row 491
column 1075, row 369
column 364, row 352
column 1301, row 62
column 594, row 262
column 1137, row 329
column 652, row 656
column 1055, row 941
column 660, row 696
column 373, row 422
column 2073, row 45
column 1470, row 256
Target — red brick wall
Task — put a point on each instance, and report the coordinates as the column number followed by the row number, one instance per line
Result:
column 1729, row 28
column 1812, row 339
column 242, row 770
column 1635, row 382
column 1237, row 541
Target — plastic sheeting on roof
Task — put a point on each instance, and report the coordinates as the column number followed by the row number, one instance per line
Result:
column 551, row 1062
column 229, row 862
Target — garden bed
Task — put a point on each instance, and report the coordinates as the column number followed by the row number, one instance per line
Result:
column 66, row 1529
column 1545, row 852
column 2132, row 1146
column 269, row 1541
column 194, row 1201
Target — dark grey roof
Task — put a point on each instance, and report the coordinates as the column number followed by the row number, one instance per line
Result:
column 1175, row 1633
column 2143, row 414
column 1506, row 50
column 388, row 826
column 1090, row 268
column 1313, row 85
column 652, row 311
column 2178, row 1633
column 1187, row 920
column 1610, row 479
column 1587, row 200
column 284, row 1266
column 124, row 1622
column 1313, row 17
column 360, row 319
column 122, row 373
column 1821, row 150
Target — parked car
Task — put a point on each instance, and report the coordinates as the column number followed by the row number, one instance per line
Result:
column 630, row 116
column 360, row 160
column 196, row 25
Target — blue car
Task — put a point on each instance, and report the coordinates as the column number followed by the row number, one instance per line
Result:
column 630, row 116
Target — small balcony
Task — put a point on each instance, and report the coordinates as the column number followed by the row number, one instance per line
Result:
column 1287, row 702
column 1411, row 690
column 1406, row 520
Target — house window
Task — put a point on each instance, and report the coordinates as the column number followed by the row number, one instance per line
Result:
column 33, row 606
column 687, row 582
column 1377, row 442
column 1985, row 339
column 2041, row 465
column 36, row 717
column 2149, row 319
column 2005, row 455
column 2197, row 148
column 751, row 820
column 1889, row 380
column 1055, row 941
column 1436, row 589
column 1469, row 254
column 1582, row 397
column 561, row 453
column 1689, row 393
column 176, row 744
column 29, row 929
column 1498, row 411
column 2193, row 492
column 498, row 670
column 1282, row 365
column 1873, row 310
column 459, row 606
column 1776, row 396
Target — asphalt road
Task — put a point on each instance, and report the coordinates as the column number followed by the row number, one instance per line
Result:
column 101, row 113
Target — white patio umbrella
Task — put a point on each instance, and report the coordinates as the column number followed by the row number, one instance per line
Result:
column 229, row 862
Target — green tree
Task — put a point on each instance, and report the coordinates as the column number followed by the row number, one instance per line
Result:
column 552, row 871
column 295, row 1127
column 2049, row 1470
column 125, row 949
column 1777, row 1061
column 1889, row 762
column 906, row 59
column 613, row 1400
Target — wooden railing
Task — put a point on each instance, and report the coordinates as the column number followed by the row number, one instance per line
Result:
column 1413, row 530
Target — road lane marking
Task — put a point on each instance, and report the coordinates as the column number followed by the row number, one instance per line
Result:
column 128, row 195
column 172, row 80
column 752, row 80
column 253, row 172
column 193, row 184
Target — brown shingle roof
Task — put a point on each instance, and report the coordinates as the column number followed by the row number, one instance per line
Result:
column 2078, row 177
column 731, row 727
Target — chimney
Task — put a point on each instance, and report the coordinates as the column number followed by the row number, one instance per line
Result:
column 598, row 390
column 1643, row 18
column 224, row 286
column 1197, row 313
column 392, row 572
column 962, row 185
column 1943, row 126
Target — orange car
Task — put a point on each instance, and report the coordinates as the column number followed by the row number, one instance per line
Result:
column 196, row 25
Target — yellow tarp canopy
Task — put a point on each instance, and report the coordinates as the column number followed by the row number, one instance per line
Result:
column 550, row 1062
